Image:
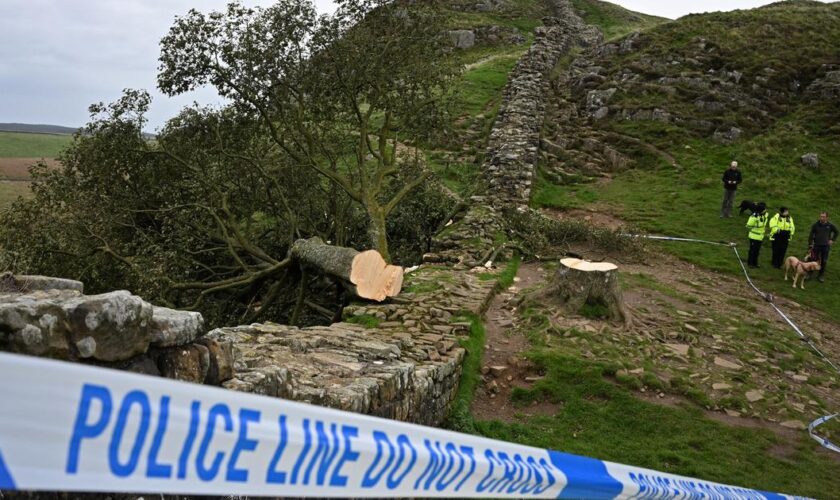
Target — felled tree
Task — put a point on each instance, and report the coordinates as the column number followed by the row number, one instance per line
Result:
column 335, row 94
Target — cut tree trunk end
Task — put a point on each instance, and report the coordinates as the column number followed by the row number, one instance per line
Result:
column 590, row 288
column 364, row 274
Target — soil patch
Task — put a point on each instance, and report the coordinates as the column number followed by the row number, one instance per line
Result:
column 17, row 169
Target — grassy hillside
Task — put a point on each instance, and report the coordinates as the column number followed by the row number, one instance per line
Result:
column 26, row 145
column 487, row 65
column 37, row 128
column 613, row 20
column 20, row 150
column 763, row 72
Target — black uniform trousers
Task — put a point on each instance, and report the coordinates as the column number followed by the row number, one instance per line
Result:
column 780, row 246
column 755, row 247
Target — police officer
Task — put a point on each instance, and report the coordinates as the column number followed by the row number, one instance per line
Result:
column 781, row 232
column 757, row 224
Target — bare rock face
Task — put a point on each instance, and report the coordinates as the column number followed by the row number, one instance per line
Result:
column 67, row 325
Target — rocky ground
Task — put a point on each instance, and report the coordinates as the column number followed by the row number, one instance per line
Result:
column 698, row 337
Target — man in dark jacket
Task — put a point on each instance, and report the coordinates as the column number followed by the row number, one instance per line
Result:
column 731, row 179
column 823, row 234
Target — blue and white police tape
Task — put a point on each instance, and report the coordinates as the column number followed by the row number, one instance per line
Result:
column 71, row 427
column 823, row 441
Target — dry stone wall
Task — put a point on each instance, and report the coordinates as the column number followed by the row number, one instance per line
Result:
column 405, row 365
column 514, row 144
column 513, row 149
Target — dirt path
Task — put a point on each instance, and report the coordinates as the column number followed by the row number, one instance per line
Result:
column 506, row 347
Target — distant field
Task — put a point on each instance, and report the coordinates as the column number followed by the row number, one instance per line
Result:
column 25, row 145
column 17, row 169
column 11, row 190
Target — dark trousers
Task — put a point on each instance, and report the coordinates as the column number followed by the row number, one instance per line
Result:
column 780, row 246
column 755, row 247
column 821, row 252
column 728, row 201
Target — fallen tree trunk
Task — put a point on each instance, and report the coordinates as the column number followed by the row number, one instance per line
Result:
column 580, row 283
column 364, row 274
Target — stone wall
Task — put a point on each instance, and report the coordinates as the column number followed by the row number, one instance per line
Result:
column 405, row 364
column 514, row 144
column 52, row 317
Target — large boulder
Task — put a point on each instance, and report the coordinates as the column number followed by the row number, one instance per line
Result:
column 462, row 39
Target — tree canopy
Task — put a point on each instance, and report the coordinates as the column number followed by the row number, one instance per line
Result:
column 320, row 139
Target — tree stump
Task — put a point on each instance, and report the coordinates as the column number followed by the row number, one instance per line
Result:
column 364, row 274
column 580, row 284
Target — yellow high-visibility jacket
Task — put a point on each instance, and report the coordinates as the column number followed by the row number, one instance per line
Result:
column 757, row 224
column 779, row 223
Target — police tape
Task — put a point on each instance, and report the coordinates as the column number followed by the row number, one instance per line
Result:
column 769, row 298
column 71, row 427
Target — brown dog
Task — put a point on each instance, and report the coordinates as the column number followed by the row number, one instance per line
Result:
column 800, row 268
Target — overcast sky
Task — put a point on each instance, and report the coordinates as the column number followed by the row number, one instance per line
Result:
column 59, row 56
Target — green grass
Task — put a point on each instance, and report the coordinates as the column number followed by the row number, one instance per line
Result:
column 365, row 320
column 685, row 201
column 506, row 276
column 481, row 87
column 613, row 20
column 423, row 287
column 10, row 191
column 458, row 176
column 600, row 419
column 24, row 145
column 524, row 15
column 459, row 417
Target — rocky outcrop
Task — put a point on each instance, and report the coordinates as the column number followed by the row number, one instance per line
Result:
column 827, row 86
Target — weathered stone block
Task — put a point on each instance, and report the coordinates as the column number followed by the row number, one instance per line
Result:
column 810, row 160
column 171, row 327
column 187, row 363
column 220, row 368
column 462, row 39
